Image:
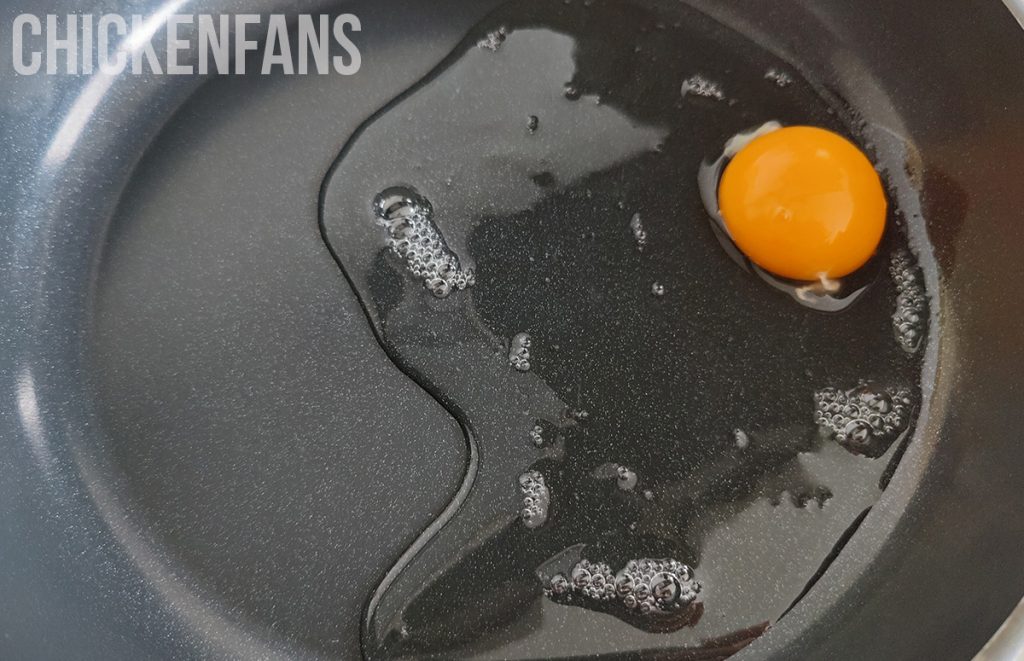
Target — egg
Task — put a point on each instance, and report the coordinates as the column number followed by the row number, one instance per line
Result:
column 803, row 203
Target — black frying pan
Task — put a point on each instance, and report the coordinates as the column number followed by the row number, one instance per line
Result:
column 192, row 395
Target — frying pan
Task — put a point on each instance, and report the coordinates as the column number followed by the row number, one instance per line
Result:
column 200, row 440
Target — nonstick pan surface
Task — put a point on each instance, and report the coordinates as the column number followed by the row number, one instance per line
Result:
column 199, row 433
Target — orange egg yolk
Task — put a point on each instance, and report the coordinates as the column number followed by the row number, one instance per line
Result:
column 803, row 203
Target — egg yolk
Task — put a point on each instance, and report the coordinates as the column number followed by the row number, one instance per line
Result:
column 803, row 203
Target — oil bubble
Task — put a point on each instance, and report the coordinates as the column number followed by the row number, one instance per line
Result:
column 559, row 585
column 908, row 320
column 625, row 478
column 576, row 415
column 413, row 236
column 494, row 39
column 658, row 289
column 594, row 580
column 536, row 499
column 741, row 438
column 650, row 587
column 698, row 85
column 636, row 225
column 804, row 497
column 865, row 420
column 532, row 123
column 779, row 77
column 519, row 352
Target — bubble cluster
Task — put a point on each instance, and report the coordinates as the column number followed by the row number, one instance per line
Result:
column 594, row 580
column 864, row 420
column 625, row 478
column 536, row 499
column 558, row 586
column 494, row 39
column 532, row 122
column 780, row 78
column 636, row 225
column 537, row 436
column 819, row 495
column 577, row 415
column 698, row 85
column 519, row 352
column 412, row 235
column 911, row 301
column 646, row 586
